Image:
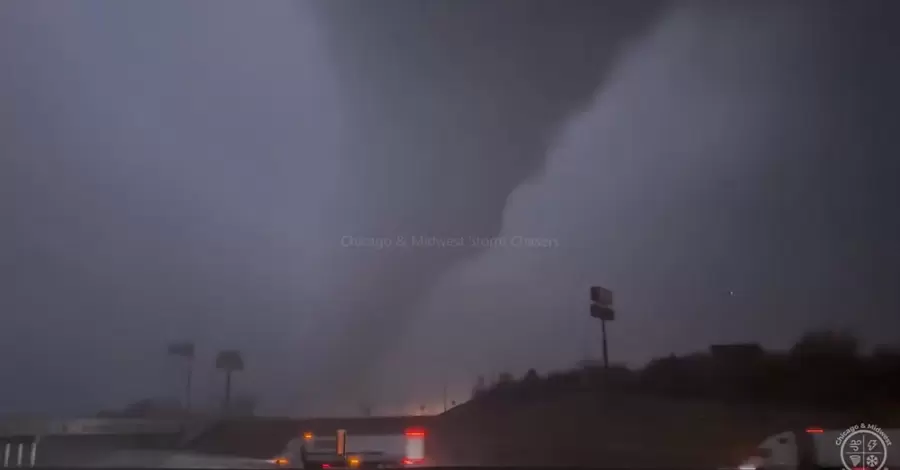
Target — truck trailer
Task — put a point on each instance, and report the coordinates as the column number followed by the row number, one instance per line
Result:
column 355, row 451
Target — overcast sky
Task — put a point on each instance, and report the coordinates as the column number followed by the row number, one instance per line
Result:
column 196, row 170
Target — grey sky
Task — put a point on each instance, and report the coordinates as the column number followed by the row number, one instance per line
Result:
column 189, row 169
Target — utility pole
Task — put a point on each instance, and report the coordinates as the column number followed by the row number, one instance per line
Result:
column 605, row 349
column 445, row 395
column 601, row 307
column 187, row 391
column 186, row 351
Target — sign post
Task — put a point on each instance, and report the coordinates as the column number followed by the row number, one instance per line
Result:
column 601, row 307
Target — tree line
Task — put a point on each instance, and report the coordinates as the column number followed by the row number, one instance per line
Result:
column 822, row 370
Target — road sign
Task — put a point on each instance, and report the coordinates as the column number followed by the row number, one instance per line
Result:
column 603, row 312
column 601, row 307
column 602, row 296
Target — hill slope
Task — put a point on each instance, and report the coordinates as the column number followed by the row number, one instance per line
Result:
column 612, row 430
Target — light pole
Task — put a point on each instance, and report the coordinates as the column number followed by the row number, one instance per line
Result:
column 186, row 351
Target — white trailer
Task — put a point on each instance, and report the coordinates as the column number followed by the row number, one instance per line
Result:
column 355, row 451
column 862, row 447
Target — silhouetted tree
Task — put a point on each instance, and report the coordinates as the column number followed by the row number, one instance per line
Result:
column 884, row 373
column 825, row 363
column 826, row 343
column 148, row 408
column 820, row 371
column 480, row 387
column 886, row 351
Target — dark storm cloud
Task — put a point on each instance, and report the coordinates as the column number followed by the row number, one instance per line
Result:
column 725, row 183
column 190, row 170
column 455, row 104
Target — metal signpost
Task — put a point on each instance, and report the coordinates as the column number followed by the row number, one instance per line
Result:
column 601, row 307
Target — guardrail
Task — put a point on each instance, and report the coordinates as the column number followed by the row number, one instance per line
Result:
column 42, row 427
column 20, row 437
column 121, row 426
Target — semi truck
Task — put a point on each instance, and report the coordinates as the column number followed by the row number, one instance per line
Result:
column 355, row 451
column 859, row 447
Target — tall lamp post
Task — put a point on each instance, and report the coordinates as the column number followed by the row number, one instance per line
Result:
column 185, row 350
column 230, row 361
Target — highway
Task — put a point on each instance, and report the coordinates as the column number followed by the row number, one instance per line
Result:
column 124, row 451
column 105, row 443
column 174, row 459
column 100, row 450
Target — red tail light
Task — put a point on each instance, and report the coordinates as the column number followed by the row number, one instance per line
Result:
column 326, row 465
column 412, row 461
column 815, row 430
column 415, row 432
